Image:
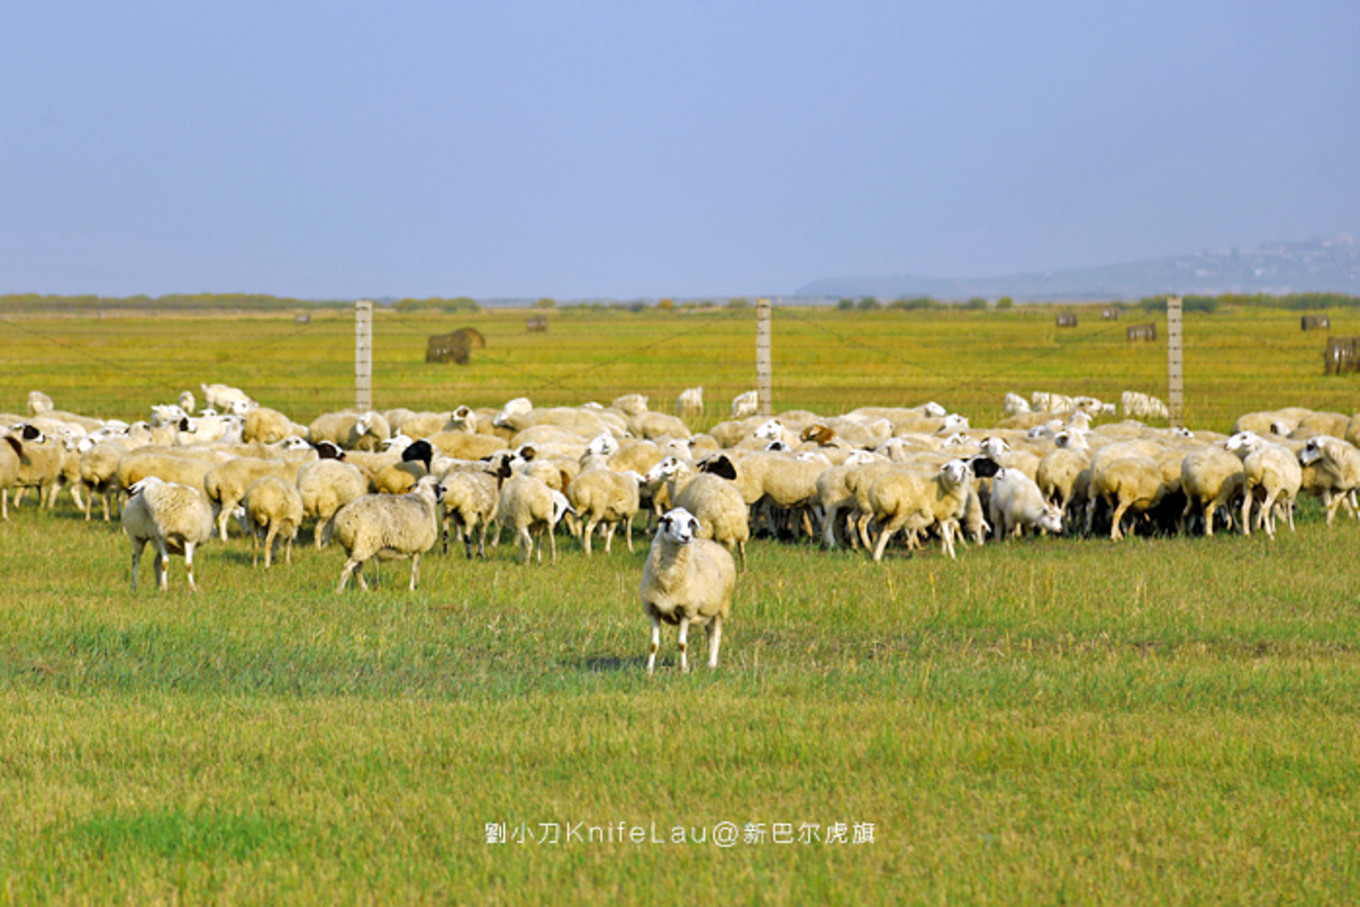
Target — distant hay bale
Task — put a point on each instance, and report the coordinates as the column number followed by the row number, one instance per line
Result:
column 1067, row 319
column 1316, row 323
column 1141, row 332
column 1110, row 313
column 536, row 323
column 454, row 347
column 1342, row 355
column 302, row 318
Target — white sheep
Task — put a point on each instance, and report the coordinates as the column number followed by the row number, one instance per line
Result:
column 1017, row 504
column 263, row 425
column 910, row 500
column 175, row 518
column 690, row 403
column 1016, row 405
column 630, row 404
column 325, row 486
column 389, row 527
column 1125, row 483
column 1338, row 466
column 712, row 498
column 273, row 507
column 1275, row 471
column 226, row 484
column 226, row 399
column 745, row 405
column 686, row 580
column 472, row 497
column 604, row 498
column 39, row 403
column 1210, row 478
column 530, row 508
column 1137, row 405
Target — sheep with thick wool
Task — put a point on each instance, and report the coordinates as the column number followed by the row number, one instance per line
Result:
column 389, row 527
column 326, row 486
column 263, row 425
column 712, row 498
column 174, row 518
column 912, row 500
column 687, row 580
column 350, row 430
column 529, row 508
column 472, row 496
column 604, row 498
column 273, row 508
column 1211, row 477
column 1337, row 468
column 1271, row 471
column 226, row 484
column 1126, row 483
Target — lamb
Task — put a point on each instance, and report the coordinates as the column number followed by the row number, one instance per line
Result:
column 1210, row 478
column 1338, row 465
column 389, row 527
column 686, row 580
column 1017, row 504
column 273, row 507
column 690, row 403
column 326, row 486
column 529, row 507
column 226, row 484
column 602, row 497
column 175, row 518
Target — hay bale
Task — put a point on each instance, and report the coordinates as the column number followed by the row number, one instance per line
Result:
column 1109, row 313
column 456, row 346
column 1141, row 332
column 537, row 323
column 1067, row 319
column 1316, row 323
column 1342, row 355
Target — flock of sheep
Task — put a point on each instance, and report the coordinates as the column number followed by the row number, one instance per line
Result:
column 394, row 484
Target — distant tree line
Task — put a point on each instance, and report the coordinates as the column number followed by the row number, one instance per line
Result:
column 57, row 305
column 1291, row 301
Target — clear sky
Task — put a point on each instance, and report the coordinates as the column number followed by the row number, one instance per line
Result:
column 341, row 149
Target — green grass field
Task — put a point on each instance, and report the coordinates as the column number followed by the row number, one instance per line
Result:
column 1055, row 720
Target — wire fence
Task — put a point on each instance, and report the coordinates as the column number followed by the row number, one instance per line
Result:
column 824, row 360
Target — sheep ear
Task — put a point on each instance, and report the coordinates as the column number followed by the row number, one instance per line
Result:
column 693, row 526
column 14, row 442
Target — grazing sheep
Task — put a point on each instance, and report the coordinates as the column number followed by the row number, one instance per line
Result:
column 1210, row 478
column 530, row 508
column 273, row 507
column 326, row 486
column 1137, row 405
column 650, row 426
column 911, row 500
column 630, row 404
column 226, row 484
column 99, row 472
column 690, row 403
column 389, row 527
column 1275, row 471
column 1338, row 466
column 263, row 425
column 175, row 518
column 1016, row 504
column 225, row 399
column 1125, row 483
column 686, row 580
column 604, row 498
column 472, row 500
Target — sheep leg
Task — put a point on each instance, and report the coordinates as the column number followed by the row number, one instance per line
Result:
column 189, row 565
column 628, row 532
column 1247, row 498
column 656, row 644
column 552, row 546
column 714, row 640
column 589, row 531
column 89, row 505
column 350, row 565
column 1265, row 518
column 608, row 536
column 481, row 542
column 271, row 545
column 255, row 551
column 683, row 645
column 415, row 570
column 526, row 544
column 222, row 518
column 162, row 565
column 741, row 549
column 947, row 536
column 1115, row 533
column 137, row 546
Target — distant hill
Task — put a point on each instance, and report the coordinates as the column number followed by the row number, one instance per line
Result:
column 1319, row 265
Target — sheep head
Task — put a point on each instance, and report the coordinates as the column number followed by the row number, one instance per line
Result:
column 679, row 526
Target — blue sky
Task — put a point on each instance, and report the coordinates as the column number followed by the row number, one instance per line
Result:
column 625, row 150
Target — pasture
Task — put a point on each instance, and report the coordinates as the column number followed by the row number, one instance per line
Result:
column 1162, row 719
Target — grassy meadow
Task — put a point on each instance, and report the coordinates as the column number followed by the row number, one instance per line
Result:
column 1052, row 720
